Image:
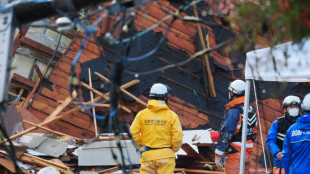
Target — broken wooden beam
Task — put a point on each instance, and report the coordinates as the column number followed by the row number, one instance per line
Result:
column 34, row 89
column 50, row 130
column 19, row 38
column 97, row 99
column 87, row 104
column 34, row 45
column 190, row 151
column 110, row 170
column 22, row 82
column 121, row 89
column 61, row 107
column 42, row 162
column 92, row 102
column 205, row 56
column 104, row 96
column 51, row 118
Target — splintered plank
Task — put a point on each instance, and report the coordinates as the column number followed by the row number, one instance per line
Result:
column 28, row 116
column 65, row 127
column 22, row 82
column 58, row 93
column 61, row 107
column 49, row 130
column 186, row 29
column 190, row 151
column 78, row 119
column 42, row 162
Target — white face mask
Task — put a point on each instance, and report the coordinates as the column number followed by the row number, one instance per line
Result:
column 229, row 97
column 293, row 112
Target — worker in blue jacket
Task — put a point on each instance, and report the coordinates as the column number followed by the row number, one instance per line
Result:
column 228, row 149
column 296, row 147
column 277, row 131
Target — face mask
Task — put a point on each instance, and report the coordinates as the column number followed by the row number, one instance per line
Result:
column 293, row 112
column 229, row 97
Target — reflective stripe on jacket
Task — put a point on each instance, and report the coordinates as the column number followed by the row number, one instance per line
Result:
column 296, row 147
column 156, row 127
column 271, row 142
column 232, row 124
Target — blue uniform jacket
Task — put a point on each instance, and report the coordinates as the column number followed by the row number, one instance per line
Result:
column 229, row 125
column 296, row 147
column 271, row 143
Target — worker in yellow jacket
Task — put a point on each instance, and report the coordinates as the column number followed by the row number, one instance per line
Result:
column 158, row 133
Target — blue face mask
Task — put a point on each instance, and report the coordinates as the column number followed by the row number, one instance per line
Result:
column 293, row 112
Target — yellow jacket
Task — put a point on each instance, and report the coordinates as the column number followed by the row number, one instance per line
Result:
column 157, row 126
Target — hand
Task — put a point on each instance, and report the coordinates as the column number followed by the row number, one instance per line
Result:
column 218, row 162
column 279, row 155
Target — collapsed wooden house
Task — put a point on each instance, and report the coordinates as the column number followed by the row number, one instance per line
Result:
column 199, row 88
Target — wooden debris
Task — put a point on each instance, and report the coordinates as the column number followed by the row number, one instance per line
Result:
column 190, row 151
column 113, row 169
column 121, row 89
column 104, row 96
column 22, row 82
column 92, row 102
column 46, row 163
column 205, row 56
column 51, row 118
column 66, row 102
column 52, row 131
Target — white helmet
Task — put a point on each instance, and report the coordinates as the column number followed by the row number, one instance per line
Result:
column 305, row 105
column 159, row 90
column 237, row 87
column 291, row 101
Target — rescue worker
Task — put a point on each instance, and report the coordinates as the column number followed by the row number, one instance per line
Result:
column 277, row 131
column 296, row 147
column 158, row 132
column 229, row 144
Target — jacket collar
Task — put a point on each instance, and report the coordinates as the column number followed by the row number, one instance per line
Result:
column 235, row 102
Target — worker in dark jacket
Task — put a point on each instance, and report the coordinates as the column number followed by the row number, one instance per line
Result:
column 296, row 147
column 229, row 144
column 277, row 131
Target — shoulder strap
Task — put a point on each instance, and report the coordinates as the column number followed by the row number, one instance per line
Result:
column 281, row 131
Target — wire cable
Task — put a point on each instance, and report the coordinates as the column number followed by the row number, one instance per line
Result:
column 197, row 54
column 260, row 127
column 8, row 148
column 18, row 2
column 157, row 24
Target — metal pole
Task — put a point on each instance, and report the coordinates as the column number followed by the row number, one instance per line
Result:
column 244, row 125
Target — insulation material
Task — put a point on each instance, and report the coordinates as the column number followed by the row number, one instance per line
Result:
column 101, row 154
column 46, row 40
column 24, row 65
column 31, row 140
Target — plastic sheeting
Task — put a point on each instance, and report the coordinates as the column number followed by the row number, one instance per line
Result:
column 285, row 62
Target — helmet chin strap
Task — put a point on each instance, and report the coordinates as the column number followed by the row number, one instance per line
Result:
column 166, row 100
column 230, row 96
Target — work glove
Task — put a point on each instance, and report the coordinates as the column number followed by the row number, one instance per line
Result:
column 218, row 161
